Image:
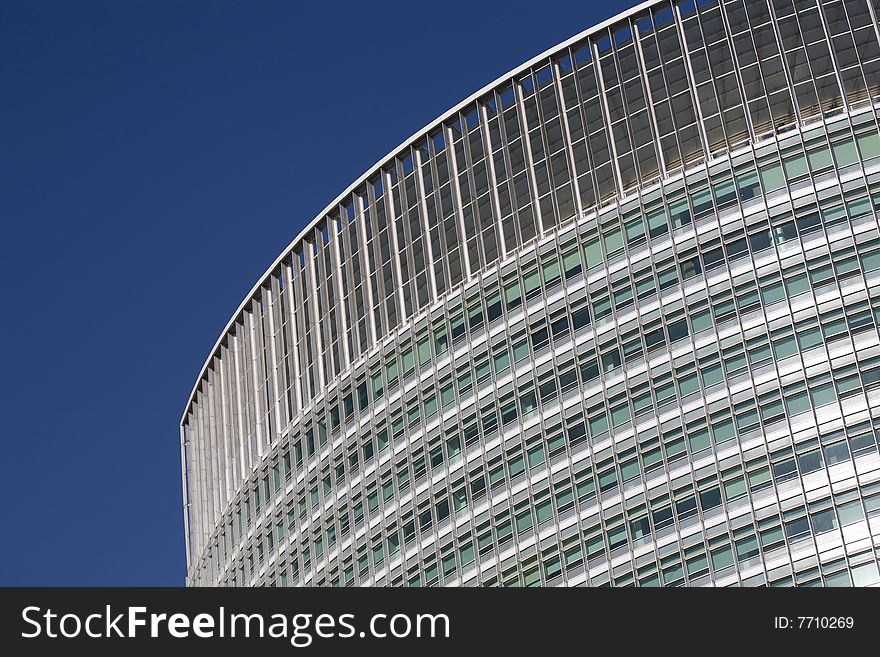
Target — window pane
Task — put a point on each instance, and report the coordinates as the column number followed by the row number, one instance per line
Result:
column 772, row 177
column 845, row 152
column 869, row 145
column 593, row 253
column 795, row 166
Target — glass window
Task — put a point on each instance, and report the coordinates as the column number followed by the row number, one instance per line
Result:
column 657, row 224
column 795, row 166
column 701, row 320
column 845, row 152
column 377, row 384
column 524, row 522
column 680, row 212
column 819, row 158
column 823, row 521
column 712, row 375
column 408, row 361
column 512, row 294
column 531, row 283
column 620, row 414
column 735, row 488
column 544, row 511
column 747, row 184
column 747, row 548
column 536, row 456
column 858, row 207
column 572, row 264
column 722, row 431
column 808, row 338
column 797, row 284
column 837, row 453
column 551, row 271
column 688, row 383
column 501, row 362
column 699, row 440
column 822, row 395
column 725, row 192
column 722, row 557
column 598, row 424
column 784, row 347
column 772, row 177
column 613, row 241
column 635, row 231
column 772, row 293
column 865, row 575
column 850, row 513
column 593, row 253
column 424, row 352
column 840, row 579
column 869, row 145
column 521, row 351
column 810, row 462
column 711, row 498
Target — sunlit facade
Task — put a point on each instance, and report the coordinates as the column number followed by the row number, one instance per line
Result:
column 613, row 320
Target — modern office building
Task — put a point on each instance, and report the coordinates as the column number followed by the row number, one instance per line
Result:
column 612, row 320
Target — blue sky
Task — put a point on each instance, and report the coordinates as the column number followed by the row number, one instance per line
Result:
column 155, row 157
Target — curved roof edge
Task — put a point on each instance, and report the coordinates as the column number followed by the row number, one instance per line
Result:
column 363, row 177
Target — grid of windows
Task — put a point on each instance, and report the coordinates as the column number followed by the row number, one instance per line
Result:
column 612, row 322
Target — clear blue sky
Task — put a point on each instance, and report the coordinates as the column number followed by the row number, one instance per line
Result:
column 155, row 157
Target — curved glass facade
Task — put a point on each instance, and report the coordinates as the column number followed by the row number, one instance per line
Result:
column 611, row 321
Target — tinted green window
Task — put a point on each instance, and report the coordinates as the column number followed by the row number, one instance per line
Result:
column 657, row 224
column 809, row 338
column 635, row 231
column 850, row 513
column 772, row 177
column 845, row 152
column 784, row 347
column 797, row 403
column 819, row 158
column 722, row 557
column 441, row 342
column 699, row 440
column 544, row 511
column 551, row 271
column 593, row 253
column 512, row 294
column 424, row 352
column 598, row 424
column 869, row 145
column 701, row 321
column 536, row 456
column 613, row 241
column 531, row 283
column 680, row 211
column 688, row 384
column 871, row 261
column 712, row 375
column 795, row 166
column 620, row 414
column 858, row 207
column 502, row 362
column 408, row 362
column 822, row 395
column 377, row 384
column 797, row 284
column 572, row 263
column 735, row 488
column 772, row 293
column 722, row 431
